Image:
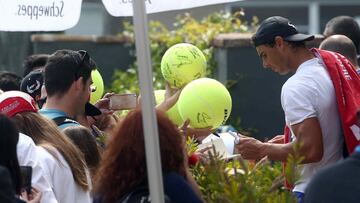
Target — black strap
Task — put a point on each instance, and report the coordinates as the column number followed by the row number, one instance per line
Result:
column 64, row 120
column 141, row 194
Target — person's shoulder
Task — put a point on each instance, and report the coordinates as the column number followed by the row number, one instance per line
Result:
column 26, row 150
column 178, row 189
column 296, row 85
column 46, row 154
column 25, row 141
column 43, row 152
column 339, row 169
column 306, row 76
column 173, row 177
column 68, row 123
column 344, row 174
column 59, row 117
column 310, row 68
column 51, row 113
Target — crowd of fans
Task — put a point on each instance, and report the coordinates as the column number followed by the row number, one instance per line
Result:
column 48, row 123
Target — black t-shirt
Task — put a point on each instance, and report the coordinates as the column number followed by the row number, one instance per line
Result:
column 176, row 187
column 336, row 183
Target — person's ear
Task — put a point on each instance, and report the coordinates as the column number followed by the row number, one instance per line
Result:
column 279, row 41
column 79, row 83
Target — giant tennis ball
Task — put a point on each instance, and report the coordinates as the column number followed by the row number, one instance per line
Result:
column 173, row 112
column 206, row 102
column 99, row 85
column 183, row 63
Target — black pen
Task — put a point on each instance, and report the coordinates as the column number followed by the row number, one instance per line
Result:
column 216, row 134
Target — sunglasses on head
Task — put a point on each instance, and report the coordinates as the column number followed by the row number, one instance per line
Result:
column 85, row 59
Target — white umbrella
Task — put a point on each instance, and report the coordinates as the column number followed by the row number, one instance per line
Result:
column 55, row 15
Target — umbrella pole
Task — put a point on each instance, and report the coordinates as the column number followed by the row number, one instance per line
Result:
column 153, row 159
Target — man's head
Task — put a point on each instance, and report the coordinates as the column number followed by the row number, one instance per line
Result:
column 65, row 67
column 68, row 72
column 33, row 62
column 344, row 25
column 273, row 40
column 9, row 81
column 342, row 45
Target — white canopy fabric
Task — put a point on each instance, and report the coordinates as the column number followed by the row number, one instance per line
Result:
column 39, row 15
column 124, row 7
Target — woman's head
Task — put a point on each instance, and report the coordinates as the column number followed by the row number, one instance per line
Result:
column 9, row 137
column 85, row 141
column 124, row 161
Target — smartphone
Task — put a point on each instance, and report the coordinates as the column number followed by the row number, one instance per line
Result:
column 122, row 101
column 26, row 174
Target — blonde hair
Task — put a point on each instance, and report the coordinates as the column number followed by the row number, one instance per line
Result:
column 45, row 133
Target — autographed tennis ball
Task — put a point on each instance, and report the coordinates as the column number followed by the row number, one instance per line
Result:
column 206, row 102
column 98, row 83
column 173, row 112
column 183, row 63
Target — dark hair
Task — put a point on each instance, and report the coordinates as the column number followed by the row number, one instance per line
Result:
column 85, row 141
column 64, row 67
column 344, row 25
column 9, row 81
column 123, row 164
column 9, row 136
column 34, row 62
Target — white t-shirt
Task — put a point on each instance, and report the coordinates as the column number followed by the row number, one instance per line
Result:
column 310, row 93
column 61, row 179
column 27, row 156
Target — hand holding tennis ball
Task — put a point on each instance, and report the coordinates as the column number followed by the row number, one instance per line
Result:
column 173, row 112
column 205, row 102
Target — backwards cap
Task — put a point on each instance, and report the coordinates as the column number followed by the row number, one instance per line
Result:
column 32, row 83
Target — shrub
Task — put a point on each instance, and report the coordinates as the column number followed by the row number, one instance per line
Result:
column 186, row 29
column 239, row 180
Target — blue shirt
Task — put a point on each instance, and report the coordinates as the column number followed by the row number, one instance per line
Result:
column 178, row 189
column 55, row 113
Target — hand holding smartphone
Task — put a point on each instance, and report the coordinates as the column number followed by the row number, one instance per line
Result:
column 26, row 174
column 122, row 101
